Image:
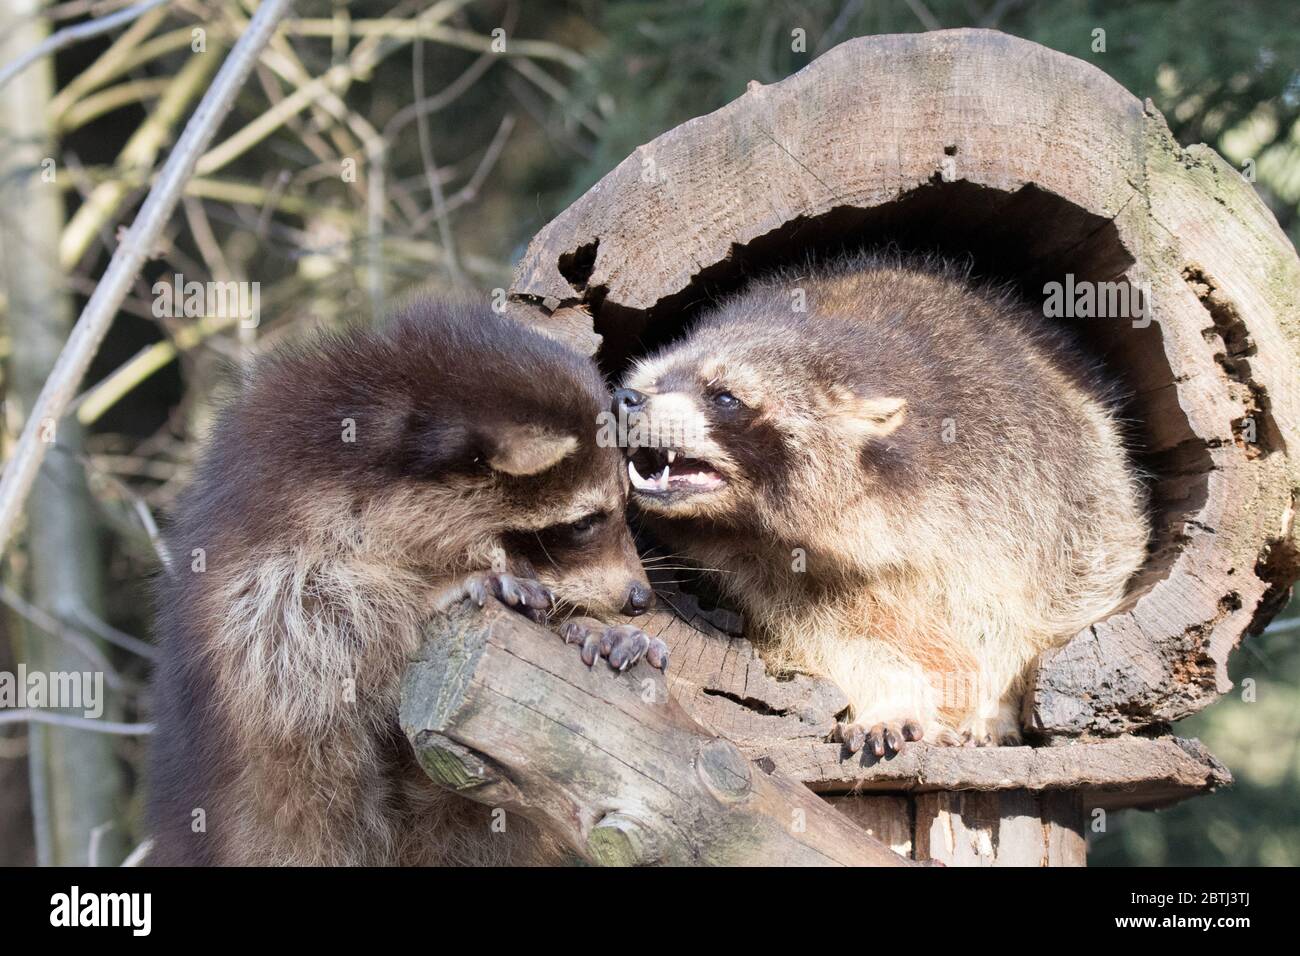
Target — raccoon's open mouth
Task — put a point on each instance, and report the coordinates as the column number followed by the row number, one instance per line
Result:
column 671, row 473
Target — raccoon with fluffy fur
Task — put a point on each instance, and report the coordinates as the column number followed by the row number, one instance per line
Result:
column 909, row 483
column 353, row 486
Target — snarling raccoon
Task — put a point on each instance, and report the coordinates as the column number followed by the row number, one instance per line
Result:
column 907, row 482
column 354, row 487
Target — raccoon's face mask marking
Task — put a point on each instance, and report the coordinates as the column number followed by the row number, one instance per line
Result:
column 731, row 435
column 672, row 454
column 702, row 439
column 558, row 508
column 587, row 557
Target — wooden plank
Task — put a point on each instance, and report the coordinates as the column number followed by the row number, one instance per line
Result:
column 721, row 682
column 1010, row 828
column 1123, row 772
column 888, row 819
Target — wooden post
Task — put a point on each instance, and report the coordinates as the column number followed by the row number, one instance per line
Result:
column 976, row 827
column 620, row 767
column 1002, row 806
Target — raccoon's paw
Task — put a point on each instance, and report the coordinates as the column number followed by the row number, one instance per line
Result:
column 621, row 644
column 1001, row 730
column 880, row 738
column 526, row 596
column 991, row 733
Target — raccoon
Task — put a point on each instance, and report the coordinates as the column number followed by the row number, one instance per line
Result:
column 912, row 488
column 357, row 485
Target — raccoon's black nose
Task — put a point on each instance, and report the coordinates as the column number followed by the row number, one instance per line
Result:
column 628, row 400
column 639, row 600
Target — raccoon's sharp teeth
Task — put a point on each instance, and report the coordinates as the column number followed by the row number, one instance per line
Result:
column 643, row 484
column 672, row 455
column 658, row 483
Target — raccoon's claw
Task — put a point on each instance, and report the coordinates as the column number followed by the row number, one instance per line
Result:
column 622, row 645
column 970, row 739
column 880, row 738
column 519, row 592
column 586, row 635
column 524, row 595
column 1000, row 731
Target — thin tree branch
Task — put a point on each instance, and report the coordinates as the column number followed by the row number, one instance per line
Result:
column 57, row 629
column 70, row 35
column 138, row 154
column 129, row 52
column 113, row 98
column 96, row 840
column 435, row 31
column 928, row 19
column 111, row 635
column 445, row 234
column 139, row 853
column 31, row 715
column 74, row 360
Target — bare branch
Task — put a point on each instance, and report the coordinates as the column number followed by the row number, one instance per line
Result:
column 70, row 35
column 35, row 716
column 430, row 29
column 135, row 857
column 431, row 168
column 55, row 628
column 21, row 469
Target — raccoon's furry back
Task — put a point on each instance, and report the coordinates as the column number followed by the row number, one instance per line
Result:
column 1013, row 444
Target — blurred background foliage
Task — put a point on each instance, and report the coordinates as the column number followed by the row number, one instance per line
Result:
column 429, row 164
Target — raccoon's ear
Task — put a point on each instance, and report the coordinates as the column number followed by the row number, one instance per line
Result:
column 872, row 416
column 528, row 449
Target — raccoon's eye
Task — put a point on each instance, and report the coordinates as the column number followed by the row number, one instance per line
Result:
column 584, row 526
column 727, row 400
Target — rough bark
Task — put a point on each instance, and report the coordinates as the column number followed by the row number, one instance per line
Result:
column 722, row 683
column 1041, row 166
column 501, row 711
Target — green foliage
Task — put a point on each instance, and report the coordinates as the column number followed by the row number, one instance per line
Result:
column 1212, row 72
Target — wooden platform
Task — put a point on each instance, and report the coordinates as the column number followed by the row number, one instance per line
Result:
column 722, row 683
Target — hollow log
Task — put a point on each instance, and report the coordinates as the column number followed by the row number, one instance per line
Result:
column 1042, row 170
column 501, row 711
